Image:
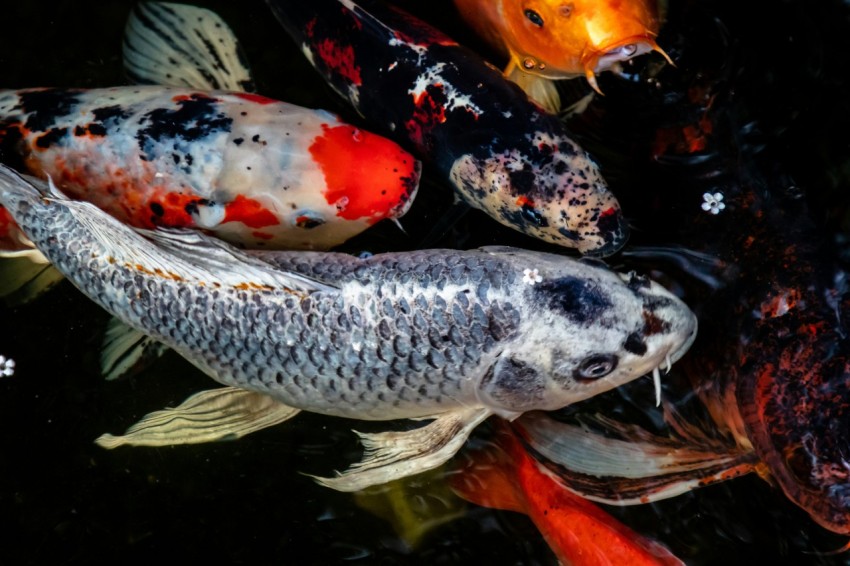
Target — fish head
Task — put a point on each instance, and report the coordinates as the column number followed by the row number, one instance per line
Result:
column 587, row 330
column 559, row 39
column 368, row 176
column 546, row 187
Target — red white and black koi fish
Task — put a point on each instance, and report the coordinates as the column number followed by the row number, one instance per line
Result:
column 251, row 170
column 772, row 363
column 501, row 152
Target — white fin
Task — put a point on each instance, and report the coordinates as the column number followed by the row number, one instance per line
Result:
column 126, row 349
column 389, row 456
column 179, row 254
column 541, row 90
column 25, row 275
column 181, row 45
column 641, row 468
column 215, row 415
column 209, row 259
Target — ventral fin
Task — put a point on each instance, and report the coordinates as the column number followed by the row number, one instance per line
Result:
column 392, row 455
column 126, row 350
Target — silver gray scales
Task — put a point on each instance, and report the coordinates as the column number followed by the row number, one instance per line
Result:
column 454, row 336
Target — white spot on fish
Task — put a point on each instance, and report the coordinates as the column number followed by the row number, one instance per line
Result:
column 209, row 215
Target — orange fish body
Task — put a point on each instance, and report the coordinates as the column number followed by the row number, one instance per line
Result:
column 579, row 532
column 559, row 39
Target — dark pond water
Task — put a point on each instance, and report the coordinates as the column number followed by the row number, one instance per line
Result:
column 782, row 66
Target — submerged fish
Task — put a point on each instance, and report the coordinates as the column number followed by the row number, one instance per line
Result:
column 500, row 152
column 505, row 476
column 557, row 39
column 251, row 170
column 454, row 336
column 772, row 365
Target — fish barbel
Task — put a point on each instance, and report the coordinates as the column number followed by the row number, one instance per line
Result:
column 450, row 335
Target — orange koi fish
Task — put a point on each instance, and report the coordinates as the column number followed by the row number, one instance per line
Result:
column 560, row 39
column 506, row 476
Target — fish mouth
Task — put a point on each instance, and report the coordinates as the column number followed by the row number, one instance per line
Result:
column 605, row 58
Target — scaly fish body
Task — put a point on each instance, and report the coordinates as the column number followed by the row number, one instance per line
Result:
column 500, row 152
column 396, row 335
column 251, row 170
column 555, row 39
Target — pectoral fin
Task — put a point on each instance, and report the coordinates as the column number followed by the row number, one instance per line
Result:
column 181, row 45
column 640, row 468
column 392, row 455
column 126, row 350
column 25, row 275
column 220, row 414
column 541, row 90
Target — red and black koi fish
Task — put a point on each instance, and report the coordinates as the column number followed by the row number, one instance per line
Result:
column 772, row 361
column 501, row 152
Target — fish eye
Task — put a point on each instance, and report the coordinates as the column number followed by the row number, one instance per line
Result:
column 534, row 18
column 596, row 366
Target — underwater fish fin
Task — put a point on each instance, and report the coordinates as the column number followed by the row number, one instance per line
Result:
column 640, row 468
column 126, row 350
column 180, row 45
column 214, row 415
column 488, row 477
column 191, row 254
column 704, row 267
column 392, row 455
column 25, row 275
column 414, row 506
column 577, row 107
column 539, row 89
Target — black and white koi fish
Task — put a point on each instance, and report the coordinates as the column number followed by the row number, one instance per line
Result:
column 453, row 336
column 502, row 153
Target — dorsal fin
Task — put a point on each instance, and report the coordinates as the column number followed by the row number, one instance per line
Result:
column 181, row 45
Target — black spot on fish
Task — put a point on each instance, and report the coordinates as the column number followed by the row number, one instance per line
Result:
column 238, row 141
column 45, row 107
column 197, row 117
column 575, row 298
column 157, row 209
column 110, row 115
column 569, row 234
column 11, row 145
column 52, row 136
column 534, row 216
column 635, row 344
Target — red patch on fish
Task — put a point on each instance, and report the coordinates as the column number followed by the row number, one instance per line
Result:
column 427, row 114
column 257, row 98
column 249, row 212
column 340, row 59
column 367, row 176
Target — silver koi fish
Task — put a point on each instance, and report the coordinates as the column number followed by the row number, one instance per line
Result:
column 453, row 336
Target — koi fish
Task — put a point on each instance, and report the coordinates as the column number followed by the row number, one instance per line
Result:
column 453, row 336
column 500, row 152
column 554, row 39
column 772, row 366
column 251, row 170
column 505, row 476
